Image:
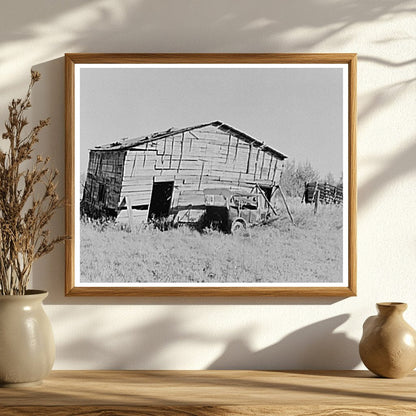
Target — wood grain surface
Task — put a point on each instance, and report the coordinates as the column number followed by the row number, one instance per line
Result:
column 202, row 393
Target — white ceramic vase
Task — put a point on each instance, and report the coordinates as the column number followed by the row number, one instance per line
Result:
column 27, row 347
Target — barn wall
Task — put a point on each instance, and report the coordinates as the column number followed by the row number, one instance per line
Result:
column 103, row 183
column 195, row 160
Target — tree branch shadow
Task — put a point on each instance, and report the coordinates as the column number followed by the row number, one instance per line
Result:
column 380, row 61
column 392, row 170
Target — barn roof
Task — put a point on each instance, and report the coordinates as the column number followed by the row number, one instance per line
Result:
column 129, row 143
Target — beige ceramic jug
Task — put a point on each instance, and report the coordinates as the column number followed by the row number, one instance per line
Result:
column 27, row 347
column 388, row 344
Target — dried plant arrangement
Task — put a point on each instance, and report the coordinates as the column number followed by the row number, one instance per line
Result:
column 28, row 198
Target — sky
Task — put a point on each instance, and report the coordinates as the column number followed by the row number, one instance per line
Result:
column 297, row 111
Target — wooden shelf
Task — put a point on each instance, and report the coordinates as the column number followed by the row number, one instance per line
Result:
column 203, row 393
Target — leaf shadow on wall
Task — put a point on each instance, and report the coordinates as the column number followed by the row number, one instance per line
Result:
column 144, row 346
column 222, row 26
column 396, row 167
column 313, row 347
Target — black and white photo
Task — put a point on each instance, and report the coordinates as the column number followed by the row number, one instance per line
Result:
column 210, row 177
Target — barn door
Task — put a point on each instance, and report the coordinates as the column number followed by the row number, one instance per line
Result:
column 267, row 190
column 160, row 200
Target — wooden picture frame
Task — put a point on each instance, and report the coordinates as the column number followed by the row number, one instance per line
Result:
column 88, row 106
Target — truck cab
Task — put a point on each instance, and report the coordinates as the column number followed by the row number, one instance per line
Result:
column 232, row 211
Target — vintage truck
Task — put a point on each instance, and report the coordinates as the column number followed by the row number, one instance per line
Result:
column 228, row 211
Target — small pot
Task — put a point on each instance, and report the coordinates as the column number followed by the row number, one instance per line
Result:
column 388, row 344
column 27, row 347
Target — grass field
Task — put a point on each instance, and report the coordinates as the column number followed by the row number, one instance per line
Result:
column 311, row 251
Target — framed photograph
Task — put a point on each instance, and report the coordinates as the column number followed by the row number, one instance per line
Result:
column 211, row 174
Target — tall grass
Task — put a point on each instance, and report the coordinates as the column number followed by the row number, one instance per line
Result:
column 311, row 251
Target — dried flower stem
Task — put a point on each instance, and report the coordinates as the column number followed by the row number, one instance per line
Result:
column 23, row 217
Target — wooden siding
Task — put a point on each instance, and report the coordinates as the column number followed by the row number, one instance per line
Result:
column 103, row 184
column 195, row 160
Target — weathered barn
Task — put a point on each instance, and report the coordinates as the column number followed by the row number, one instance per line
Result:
column 157, row 175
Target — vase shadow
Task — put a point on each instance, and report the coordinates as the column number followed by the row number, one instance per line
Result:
column 314, row 347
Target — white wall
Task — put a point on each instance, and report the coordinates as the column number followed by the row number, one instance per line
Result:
column 199, row 333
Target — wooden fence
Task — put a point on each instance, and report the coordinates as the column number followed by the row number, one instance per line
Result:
column 322, row 192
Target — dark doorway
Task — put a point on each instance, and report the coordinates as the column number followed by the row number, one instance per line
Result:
column 267, row 192
column 160, row 200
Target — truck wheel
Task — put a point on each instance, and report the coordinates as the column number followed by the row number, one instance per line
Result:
column 238, row 226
